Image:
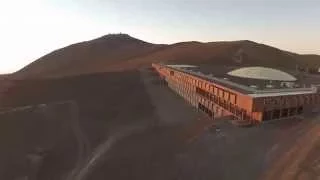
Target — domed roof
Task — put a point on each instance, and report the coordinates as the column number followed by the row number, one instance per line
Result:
column 262, row 73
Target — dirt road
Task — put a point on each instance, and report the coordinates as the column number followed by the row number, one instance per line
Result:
column 302, row 159
column 131, row 127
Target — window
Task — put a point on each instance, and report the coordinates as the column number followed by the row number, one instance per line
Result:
column 282, row 101
column 306, row 100
column 211, row 89
column 226, row 95
column 301, row 100
column 232, row 109
column 300, row 110
column 276, row 114
column 267, row 115
column 220, row 92
column 292, row 111
column 284, row 112
column 238, row 111
column 205, row 109
column 215, row 98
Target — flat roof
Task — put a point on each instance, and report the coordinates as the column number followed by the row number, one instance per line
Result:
column 244, row 89
column 181, row 66
column 228, row 84
column 274, row 94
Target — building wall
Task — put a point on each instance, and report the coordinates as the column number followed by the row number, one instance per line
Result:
column 219, row 100
column 291, row 103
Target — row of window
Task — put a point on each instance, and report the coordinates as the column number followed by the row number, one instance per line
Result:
column 214, row 89
column 205, row 109
column 222, row 103
column 218, row 91
column 211, row 96
column 277, row 113
column 220, row 97
column 304, row 99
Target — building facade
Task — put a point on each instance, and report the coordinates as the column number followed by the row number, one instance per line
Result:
column 218, row 97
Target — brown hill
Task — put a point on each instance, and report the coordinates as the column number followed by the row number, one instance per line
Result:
column 243, row 53
column 117, row 52
column 84, row 57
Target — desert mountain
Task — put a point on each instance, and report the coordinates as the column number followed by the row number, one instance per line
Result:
column 117, row 52
column 88, row 56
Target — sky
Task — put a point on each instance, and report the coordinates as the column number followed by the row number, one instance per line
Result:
column 33, row 28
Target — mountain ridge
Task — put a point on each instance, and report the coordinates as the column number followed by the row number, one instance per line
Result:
column 119, row 52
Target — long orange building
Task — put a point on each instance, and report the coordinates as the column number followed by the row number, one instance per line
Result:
column 222, row 97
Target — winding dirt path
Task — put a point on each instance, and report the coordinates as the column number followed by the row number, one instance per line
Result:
column 85, row 167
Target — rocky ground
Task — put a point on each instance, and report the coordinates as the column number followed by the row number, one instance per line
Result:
column 129, row 126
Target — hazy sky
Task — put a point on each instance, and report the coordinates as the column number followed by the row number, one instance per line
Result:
column 30, row 29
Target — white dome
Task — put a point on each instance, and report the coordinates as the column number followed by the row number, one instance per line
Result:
column 262, row 73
